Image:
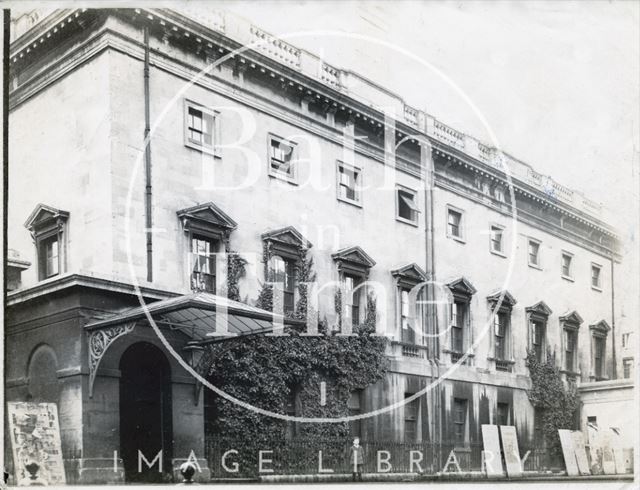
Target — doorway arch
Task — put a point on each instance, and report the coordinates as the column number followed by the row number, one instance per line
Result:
column 145, row 412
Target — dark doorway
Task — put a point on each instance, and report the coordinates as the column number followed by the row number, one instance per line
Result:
column 145, row 413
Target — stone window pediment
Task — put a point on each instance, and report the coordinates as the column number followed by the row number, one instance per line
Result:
column 353, row 260
column 48, row 227
column 462, row 288
column 45, row 218
column 571, row 320
column 207, row 219
column 508, row 301
column 409, row 276
column 601, row 328
column 286, row 242
column 540, row 309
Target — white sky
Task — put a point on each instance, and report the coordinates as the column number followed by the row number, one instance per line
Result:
column 557, row 82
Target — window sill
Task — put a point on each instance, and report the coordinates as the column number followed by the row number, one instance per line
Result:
column 283, row 178
column 570, row 373
column 215, row 152
column 407, row 221
column 596, row 288
column 456, row 238
column 568, row 278
column 506, row 361
column 498, row 253
column 357, row 204
column 534, row 266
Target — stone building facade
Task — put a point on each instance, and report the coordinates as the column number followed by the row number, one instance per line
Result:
column 253, row 141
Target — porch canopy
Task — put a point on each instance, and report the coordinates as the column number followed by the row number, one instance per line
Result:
column 198, row 315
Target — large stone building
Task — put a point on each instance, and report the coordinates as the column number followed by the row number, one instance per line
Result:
column 253, row 141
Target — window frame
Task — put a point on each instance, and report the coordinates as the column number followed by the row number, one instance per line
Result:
column 538, row 243
column 290, row 275
column 286, row 177
column 499, row 228
column 464, row 424
column 214, row 148
column 564, row 254
column 461, row 224
column 359, row 288
column 500, row 405
column 627, row 362
column 416, row 212
column 357, row 201
column 598, row 286
column 411, row 413
column 214, row 243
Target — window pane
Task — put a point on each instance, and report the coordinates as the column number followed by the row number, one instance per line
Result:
column 533, row 253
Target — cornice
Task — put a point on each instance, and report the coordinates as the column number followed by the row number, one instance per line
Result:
column 115, row 40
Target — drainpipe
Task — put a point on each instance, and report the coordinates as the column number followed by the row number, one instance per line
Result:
column 432, row 316
column 613, row 325
column 147, row 161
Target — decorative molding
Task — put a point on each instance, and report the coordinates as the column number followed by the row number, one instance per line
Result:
column 602, row 327
column 462, row 286
column 45, row 216
column 571, row 318
column 353, row 260
column 99, row 341
column 539, row 309
column 508, row 301
column 209, row 219
column 409, row 275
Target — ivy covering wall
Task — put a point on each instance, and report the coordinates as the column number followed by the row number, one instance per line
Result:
column 557, row 401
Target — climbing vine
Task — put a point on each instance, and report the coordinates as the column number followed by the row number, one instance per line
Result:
column 283, row 374
column 557, row 401
column 236, row 269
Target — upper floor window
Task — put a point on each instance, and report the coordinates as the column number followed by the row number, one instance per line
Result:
column 567, row 262
column 570, row 325
column 282, row 271
column 410, row 309
column 534, row 253
column 596, row 276
column 207, row 229
column 282, row 162
column 283, row 249
column 497, row 246
column 353, row 290
column 599, row 333
column 407, row 205
column 538, row 315
column 501, row 306
column 626, row 340
column 353, row 269
column 48, row 227
column 203, row 270
column 200, row 128
column 349, row 183
column 460, row 317
column 454, row 223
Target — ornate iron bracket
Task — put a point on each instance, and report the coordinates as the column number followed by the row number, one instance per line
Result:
column 99, row 342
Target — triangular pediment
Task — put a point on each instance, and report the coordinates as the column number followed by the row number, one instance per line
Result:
column 410, row 271
column 507, row 299
column 601, row 326
column 462, row 285
column 540, row 308
column 572, row 317
column 43, row 214
column 209, row 214
column 354, row 255
column 289, row 236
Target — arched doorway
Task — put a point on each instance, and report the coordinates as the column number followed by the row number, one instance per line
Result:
column 145, row 412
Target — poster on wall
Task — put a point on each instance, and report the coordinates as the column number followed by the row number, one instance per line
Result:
column 35, row 443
